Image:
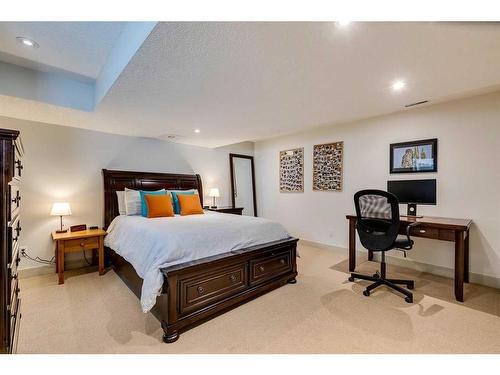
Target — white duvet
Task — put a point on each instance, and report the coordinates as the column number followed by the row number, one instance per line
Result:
column 152, row 244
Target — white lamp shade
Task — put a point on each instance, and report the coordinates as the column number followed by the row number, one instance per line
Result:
column 214, row 192
column 60, row 209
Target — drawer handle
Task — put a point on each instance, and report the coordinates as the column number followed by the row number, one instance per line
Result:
column 261, row 269
column 82, row 244
column 282, row 261
column 232, row 278
column 422, row 230
column 19, row 167
column 200, row 290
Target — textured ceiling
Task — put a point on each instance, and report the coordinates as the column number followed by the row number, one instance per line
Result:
column 76, row 47
column 250, row 81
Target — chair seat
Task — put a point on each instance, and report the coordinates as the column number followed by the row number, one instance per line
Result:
column 402, row 242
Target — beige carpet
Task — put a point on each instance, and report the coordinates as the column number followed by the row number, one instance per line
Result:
column 322, row 313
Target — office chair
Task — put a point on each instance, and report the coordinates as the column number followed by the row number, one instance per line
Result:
column 378, row 223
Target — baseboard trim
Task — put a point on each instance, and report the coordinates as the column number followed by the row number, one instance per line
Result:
column 50, row 269
column 476, row 278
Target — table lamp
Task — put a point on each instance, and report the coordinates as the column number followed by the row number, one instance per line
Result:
column 214, row 193
column 61, row 209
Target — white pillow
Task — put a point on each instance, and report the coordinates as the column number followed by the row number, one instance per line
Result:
column 121, row 202
column 133, row 204
column 195, row 191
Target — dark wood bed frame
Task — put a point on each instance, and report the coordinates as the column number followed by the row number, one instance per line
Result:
column 196, row 291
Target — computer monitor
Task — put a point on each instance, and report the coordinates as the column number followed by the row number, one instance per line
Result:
column 413, row 192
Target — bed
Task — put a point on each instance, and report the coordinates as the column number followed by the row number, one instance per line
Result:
column 194, row 290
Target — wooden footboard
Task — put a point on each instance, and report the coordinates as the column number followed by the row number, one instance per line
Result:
column 200, row 290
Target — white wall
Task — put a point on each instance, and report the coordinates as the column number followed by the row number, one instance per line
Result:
column 64, row 164
column 468, row 176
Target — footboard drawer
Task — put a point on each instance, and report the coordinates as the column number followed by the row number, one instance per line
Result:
column 198, row 291
column 268, row 267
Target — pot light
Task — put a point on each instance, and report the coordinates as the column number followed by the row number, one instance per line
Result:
column 197, row 131
column 343, row 23
column 398, row 85
column 27, row 42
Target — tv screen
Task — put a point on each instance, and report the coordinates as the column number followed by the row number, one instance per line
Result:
column 413, row 191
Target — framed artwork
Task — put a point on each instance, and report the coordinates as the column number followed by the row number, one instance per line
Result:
column 292, row 171
column 327, row 166
column 414, row 157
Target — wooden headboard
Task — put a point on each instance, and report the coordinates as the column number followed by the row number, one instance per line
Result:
column 119, row 180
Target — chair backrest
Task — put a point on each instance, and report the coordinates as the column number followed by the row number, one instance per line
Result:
column 377, row 214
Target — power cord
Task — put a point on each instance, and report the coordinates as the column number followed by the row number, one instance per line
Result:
column 48, row 261
column 85, row 257
column 38, row 259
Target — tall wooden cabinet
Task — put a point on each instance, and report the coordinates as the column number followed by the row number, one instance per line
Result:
column 11, row 151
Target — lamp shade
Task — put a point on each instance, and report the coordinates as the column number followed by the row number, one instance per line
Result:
column 60, row 209
column 214, row 192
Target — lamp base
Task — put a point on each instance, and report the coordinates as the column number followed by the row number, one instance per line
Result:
column 61, row 231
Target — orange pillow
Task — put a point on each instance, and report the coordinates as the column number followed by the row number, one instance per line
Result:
column 190, row 204
column 159, row 205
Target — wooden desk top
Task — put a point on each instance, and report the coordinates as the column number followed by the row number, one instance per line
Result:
column 80, row 234
column 435, row 222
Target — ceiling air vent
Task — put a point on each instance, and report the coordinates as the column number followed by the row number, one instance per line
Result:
column 417, row 103
column 169, row 137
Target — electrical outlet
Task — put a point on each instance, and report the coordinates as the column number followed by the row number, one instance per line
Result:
column 23, row 250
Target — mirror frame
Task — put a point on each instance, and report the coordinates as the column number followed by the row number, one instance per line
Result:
column 231, row 169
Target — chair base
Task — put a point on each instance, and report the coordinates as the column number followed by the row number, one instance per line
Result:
column 391, row 283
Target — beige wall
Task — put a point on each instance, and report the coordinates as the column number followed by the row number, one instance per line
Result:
column 468, row 176
column 64, row 164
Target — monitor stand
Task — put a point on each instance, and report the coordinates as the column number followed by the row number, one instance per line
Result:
column 412, row 211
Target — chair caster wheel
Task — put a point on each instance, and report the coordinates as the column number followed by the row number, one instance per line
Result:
column 376, row 275
column 351, row 279
column 409, row 299
column 366, row 293
column 411, row 287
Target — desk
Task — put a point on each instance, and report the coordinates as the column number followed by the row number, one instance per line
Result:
column 436, row 228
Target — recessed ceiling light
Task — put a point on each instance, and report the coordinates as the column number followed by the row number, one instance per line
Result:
column 343, row 23
column 398, row 85
column 27, row 42
column 197, row 130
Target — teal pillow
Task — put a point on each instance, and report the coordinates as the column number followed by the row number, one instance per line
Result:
column 177, row 207
column 144, row 206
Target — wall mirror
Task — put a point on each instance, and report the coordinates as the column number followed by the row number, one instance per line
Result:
column 243, row 183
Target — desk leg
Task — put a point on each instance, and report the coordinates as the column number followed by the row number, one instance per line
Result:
column 459, row 265
column 101, row 256
column 466, row 257
column 56, row 256
column 60, row 256
column 352, row 245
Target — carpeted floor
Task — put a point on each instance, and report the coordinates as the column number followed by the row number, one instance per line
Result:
column 322, row 313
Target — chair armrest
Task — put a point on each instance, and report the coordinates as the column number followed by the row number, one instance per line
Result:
column 408, row 228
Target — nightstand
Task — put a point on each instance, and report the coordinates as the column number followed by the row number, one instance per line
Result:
column 90, row 239
column 227, row 210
